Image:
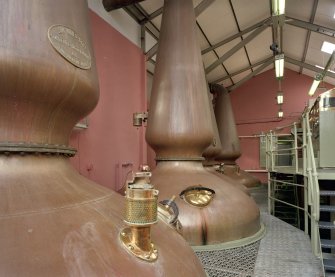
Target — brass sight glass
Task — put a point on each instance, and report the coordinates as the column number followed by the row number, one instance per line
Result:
column 140, row 214
column 197, row 196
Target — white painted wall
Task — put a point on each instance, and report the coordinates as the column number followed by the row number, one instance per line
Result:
column 120, row 20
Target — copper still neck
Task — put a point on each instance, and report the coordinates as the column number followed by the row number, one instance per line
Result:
column 224, row 114
column 180, row 128
column 214, row 149
column 54, row 221
column 179, row 124
column 47, row 86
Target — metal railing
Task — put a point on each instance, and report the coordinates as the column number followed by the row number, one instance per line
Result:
column 306, row 166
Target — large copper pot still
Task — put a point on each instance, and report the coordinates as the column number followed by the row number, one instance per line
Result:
column 230, row 150
column 214, row 150
column 55, row 222
column 179, row 129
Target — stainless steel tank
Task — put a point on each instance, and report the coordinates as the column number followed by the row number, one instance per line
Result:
column 230, row 151
column 55, row 222
column 179, row 129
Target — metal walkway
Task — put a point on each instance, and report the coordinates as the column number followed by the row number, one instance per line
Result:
column 285, row 251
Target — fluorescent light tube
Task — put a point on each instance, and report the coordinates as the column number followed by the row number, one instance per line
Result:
column 278, row 7
column 314, row 87
column 279, row 65
column 280, row 98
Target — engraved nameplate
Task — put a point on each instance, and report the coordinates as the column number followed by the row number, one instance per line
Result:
column 68, row 43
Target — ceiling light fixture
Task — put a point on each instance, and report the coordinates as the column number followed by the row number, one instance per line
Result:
column 280, row 113
column 315, row 84
column 278, row 7
column 279, row 65
column 280, row 98
column 328, row 47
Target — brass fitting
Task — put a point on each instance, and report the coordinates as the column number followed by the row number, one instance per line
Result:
column 220, row 168
column 168, row 212
column 139, row 118
column 141, row 213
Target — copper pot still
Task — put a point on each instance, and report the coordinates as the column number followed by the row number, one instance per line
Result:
column 230, row 151
column 214, row 149
column 179, row 129
column 55, row 222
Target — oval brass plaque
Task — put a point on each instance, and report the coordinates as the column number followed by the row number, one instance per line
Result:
column 68, row 44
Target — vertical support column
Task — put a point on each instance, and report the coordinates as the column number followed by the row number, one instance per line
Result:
column 267, row 152
column 271, row 167
column 304, row 156
column 271, row 151
column 296, row 148
column 269, row 193
column 314, row 191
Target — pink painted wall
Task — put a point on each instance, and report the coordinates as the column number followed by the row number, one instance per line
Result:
column 255, row 110
column 111, row 146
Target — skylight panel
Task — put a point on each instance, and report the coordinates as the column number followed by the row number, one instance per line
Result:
column 328, row 47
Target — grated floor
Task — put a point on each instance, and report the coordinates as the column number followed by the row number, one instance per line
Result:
column 235, row 262
column 285, row 251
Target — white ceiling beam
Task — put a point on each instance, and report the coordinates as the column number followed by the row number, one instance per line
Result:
column 235, row 48
column 310, row 26
column 203, row 5
column 267, row 22
column 242, row 70
column 197, row 10
column 308, row 66
column 252, row 74
column 315, row 6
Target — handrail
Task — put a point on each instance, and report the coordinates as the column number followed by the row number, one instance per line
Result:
column 285, row 149
column 287, row 183
column 284, row 127
column 284, row 202
column 308, row 170
column 313, row 175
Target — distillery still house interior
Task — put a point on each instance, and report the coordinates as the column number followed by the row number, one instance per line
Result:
column 167, row 138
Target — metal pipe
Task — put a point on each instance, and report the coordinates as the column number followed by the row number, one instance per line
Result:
column 111, row 5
